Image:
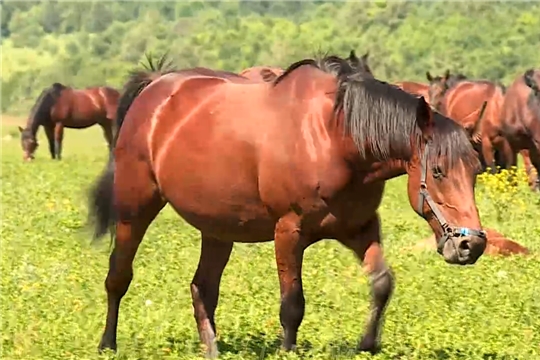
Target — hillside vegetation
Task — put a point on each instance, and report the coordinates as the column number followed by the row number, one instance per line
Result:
column 95, row 43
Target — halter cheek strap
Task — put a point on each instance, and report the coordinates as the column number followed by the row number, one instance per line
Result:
column 447, row 230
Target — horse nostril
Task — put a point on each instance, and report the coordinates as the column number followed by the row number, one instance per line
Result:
column 464, row 247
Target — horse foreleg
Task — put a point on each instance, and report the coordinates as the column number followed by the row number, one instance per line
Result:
column 509, row 155
column 205, row 289
column 487, row 153
column 529, row 169
column 49, row 132
column 140, row 204
column 367, row 247
column 58, row 138
column 289, row 250
column 534, row 154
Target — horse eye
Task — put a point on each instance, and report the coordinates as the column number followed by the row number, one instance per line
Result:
column 437, row 172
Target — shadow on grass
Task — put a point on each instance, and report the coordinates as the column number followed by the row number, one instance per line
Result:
column 259, row 344
column 347, row 350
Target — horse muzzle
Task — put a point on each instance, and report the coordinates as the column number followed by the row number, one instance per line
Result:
column 28, row 157
column 461, row 249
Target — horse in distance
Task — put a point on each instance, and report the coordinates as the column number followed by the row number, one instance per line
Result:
column 475, row 105
column 520, row 115
column 298, row 160
column 60, row 106
column 269, row 74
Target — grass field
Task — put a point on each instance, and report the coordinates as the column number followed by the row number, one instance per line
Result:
column 53, row 299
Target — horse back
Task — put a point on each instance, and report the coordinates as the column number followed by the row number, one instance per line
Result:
column 414, row 88
column 464, row 101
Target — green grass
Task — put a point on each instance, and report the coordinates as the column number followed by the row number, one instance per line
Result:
column 53, row 298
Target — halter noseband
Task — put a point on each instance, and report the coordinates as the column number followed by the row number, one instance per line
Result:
column 448, row 231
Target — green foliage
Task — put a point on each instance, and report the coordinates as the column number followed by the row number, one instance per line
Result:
column 88, row 43
column 53, row 304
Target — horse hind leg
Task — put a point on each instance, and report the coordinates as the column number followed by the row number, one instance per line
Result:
column 534, row 154
column 214, row 257
column 138, row 203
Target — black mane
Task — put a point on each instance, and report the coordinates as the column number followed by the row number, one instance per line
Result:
column 384, row 117
column 40, row 111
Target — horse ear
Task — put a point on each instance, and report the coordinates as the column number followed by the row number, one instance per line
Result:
column 268, row 75
column 446, row 74
column 365, row 56
column 20, row 129
column 424, row 118
column 353, row 59
column 428, row 76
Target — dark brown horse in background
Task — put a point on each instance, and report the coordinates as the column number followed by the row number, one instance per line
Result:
column 299, row 160
column 475, row 105
column 59, row 107
column 520, row 116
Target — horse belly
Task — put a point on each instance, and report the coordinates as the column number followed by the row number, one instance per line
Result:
column 213, row 185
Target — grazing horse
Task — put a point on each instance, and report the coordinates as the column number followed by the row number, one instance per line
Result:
column 475, row 105
column 520, row 116
column 59, row 107
column 298, row 160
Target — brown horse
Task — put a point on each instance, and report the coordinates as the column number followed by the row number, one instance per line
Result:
column 520, row 117
column 59, row 107
column 464, row 101
column 299, row 160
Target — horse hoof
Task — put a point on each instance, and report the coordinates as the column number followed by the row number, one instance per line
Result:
column 368, row 344
column 289, row 348
column 212, row 352
column 103, row 346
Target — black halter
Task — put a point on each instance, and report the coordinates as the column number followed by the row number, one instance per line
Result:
column 448, row 231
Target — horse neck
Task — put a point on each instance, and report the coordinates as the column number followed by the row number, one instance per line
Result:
column 373, row 169
column 386, row 170
column 33, row 124
column 43, row 105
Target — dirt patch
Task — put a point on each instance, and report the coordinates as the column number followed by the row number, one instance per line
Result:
column 9, row 120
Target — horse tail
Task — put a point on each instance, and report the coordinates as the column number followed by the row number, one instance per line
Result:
column 101, row 198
